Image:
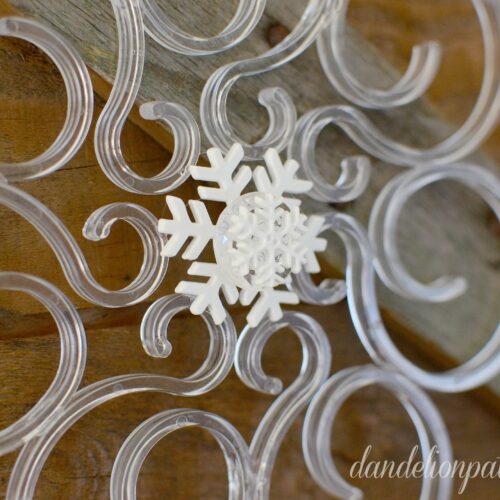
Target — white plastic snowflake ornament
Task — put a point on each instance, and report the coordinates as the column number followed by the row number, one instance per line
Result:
column 260, row 238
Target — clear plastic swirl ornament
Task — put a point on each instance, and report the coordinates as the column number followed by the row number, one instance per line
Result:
column 364, row 309
column 315, row 368
column 131, row 53
column 317, row 433
column 71, row 365
column 34, row 454
column 80, row 99
column 135, row 449
column 96, row 228
column 159, row 27
column 384, row 219
column 282, row 113
column 461, row 143
column 413, row 84
column 249, row 468
column 355, row 170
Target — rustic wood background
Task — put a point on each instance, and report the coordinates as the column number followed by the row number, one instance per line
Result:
column 188, row 464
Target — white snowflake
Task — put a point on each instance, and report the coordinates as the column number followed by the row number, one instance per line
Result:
column 260, row 238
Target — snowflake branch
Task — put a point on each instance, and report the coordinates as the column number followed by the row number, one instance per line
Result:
column 221, row 172
column 181, row 228
column 282, row 179
column 312, row 244
column 208, row 294
column 269, row 302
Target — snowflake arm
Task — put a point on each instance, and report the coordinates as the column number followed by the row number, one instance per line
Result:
column 207, row 295
column 312, row 244
column 283, row 179
column 181, row 228
column 269, row 302
column 221, row 172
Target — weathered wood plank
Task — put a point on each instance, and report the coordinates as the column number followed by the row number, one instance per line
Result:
column 444, row 231
column 189, row 465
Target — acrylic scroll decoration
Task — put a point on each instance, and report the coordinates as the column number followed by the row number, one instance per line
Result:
column 265, row 247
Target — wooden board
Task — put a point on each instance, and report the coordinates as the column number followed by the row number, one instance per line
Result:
column 445, row 231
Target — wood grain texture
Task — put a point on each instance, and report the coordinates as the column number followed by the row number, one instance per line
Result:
column 188, row 464
column 445, row 231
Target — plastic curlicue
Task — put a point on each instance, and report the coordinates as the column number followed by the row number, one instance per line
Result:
column 279, row 105
column 159, row 27
column 364, row 309
column 213, row 371
column 384, row 219
column 96, row 228
column 355, row 170
column 107, row 137
column 71, row 365
column 249, row 468
column 80, row 99
column 317, row 434
column 413, row 84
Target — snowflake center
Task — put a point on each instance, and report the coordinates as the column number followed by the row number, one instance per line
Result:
column 258, row 240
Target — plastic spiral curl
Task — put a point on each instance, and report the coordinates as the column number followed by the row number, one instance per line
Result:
column 80, row 99
column 356, row 170
column 362, row 300
column 213, row 371
column 413, row 84
column 462, row 142
column 71, row 365
column 131, row 53
column 282, row 113
column 96, row 228
column 249, row 468
column 159, row 27
column 430, row 427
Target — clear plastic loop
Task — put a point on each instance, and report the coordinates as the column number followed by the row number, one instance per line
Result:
column 356, row 170
column 462, row 142
column 71, row 364
column 131, row 49
column 96, row 228
column 187, row 144
column 80, row 99
column 138, row 445
column 384, row 220
column 420, row 74
column 318, row 427
column 328, row 292
column 214, row 370
column 362, row 299
column 159, row 27
column 282, row 113
column 314, row 371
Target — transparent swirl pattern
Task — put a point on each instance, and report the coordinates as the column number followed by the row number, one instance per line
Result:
column 369, row 252
column 96, row 228
column 80, row 99
column 419, row 76
column 159, row 27
column 107, row 137
column 281, row 110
